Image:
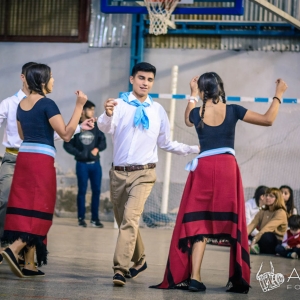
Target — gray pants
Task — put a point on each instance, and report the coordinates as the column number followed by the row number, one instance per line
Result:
column 6, row 175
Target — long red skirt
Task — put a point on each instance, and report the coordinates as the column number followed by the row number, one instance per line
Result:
column 31, row 202
column 212, row 206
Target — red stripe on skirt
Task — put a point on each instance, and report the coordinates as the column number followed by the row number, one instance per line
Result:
column 213, row 189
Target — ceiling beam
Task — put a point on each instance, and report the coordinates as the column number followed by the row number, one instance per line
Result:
column 277, row 11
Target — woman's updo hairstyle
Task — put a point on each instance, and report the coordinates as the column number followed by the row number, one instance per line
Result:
column 37, row 78
column 212, row 86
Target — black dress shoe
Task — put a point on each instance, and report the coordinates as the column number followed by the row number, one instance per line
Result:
column 133, row 273
column 1, row 259
column 119, row 279
column 196, row 286
column 21, row 262
column 11, row 260
column 29, row 273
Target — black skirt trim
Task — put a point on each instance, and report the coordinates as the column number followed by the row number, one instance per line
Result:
column 31, row 240
column 186, row 244
column 29, row 213
column 210, row 216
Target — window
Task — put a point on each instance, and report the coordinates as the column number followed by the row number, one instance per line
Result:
column 44, row 20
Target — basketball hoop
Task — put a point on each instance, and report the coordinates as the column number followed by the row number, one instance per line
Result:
column 160, row 12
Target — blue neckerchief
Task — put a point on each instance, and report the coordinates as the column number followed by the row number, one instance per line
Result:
column 140, row 115
column 192, row 165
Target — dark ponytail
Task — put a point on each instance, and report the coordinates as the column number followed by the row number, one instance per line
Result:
column 212, row 86
column 221, row 87
column 37, row 78
column 203, row 110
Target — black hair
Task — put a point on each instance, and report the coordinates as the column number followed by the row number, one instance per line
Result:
column 212, row 86
column 143, row 66
column 36, row 76
column 26, row 66
column 294, row 222
column 88, row 104
column 261, row 190
column 290, row 203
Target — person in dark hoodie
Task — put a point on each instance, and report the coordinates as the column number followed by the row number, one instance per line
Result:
column 85, row 147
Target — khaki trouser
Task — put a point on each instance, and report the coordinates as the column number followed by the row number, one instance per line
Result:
column 6, row 175
column 129, row 192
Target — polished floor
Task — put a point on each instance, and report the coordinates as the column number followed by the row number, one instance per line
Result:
column 80, row 262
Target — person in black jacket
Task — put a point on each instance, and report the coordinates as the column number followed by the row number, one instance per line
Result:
column 85, row 146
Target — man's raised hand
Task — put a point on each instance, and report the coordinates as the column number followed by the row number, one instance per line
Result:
column 109, row 106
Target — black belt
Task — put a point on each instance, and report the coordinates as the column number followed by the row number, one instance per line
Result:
column 134, row 167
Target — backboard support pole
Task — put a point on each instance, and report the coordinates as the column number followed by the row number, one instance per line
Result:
column 137, row 41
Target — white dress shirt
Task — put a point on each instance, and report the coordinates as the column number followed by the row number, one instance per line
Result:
column 136, row 145
column 251, row 210
column 8, row 111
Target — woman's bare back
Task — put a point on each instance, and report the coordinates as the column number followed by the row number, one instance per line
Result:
column 214, row 113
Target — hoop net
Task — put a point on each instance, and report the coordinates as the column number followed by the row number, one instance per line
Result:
column 160, row 12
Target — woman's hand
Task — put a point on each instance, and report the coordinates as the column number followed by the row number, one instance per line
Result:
column 281, row 87
column 88, row 124
column 81, row 97
column 269, row 117
column 194, row 86
column 253, row 242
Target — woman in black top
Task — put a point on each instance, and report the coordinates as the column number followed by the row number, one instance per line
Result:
column 212, row 204
column 33, row 193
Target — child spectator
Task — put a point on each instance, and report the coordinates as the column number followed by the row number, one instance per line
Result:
column 271, row 222
column 288, row 197
column 290, row 246
column 254, row 205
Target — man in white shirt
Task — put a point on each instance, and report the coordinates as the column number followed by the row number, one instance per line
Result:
column 12, row 142
column 254, row 205
column 138, row 125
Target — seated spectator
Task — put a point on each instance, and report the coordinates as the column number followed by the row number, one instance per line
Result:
column 254, row 205
column 288, row 197
column 271, row 222
column 290, row 246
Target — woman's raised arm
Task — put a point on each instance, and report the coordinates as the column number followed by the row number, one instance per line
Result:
column 269, row 117
column 191, row 103
column 66, row 131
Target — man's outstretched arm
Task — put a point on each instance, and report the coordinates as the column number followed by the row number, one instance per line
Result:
column 164, row 142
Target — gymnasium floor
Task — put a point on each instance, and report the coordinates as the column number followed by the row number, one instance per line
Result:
column 80, row 268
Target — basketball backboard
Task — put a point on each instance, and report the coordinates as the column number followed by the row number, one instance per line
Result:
column 194, row 7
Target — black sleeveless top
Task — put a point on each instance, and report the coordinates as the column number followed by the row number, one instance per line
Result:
column 212, row 137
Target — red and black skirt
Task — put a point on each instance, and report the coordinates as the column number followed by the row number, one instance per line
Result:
column 32, row 198
column 212, row 206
